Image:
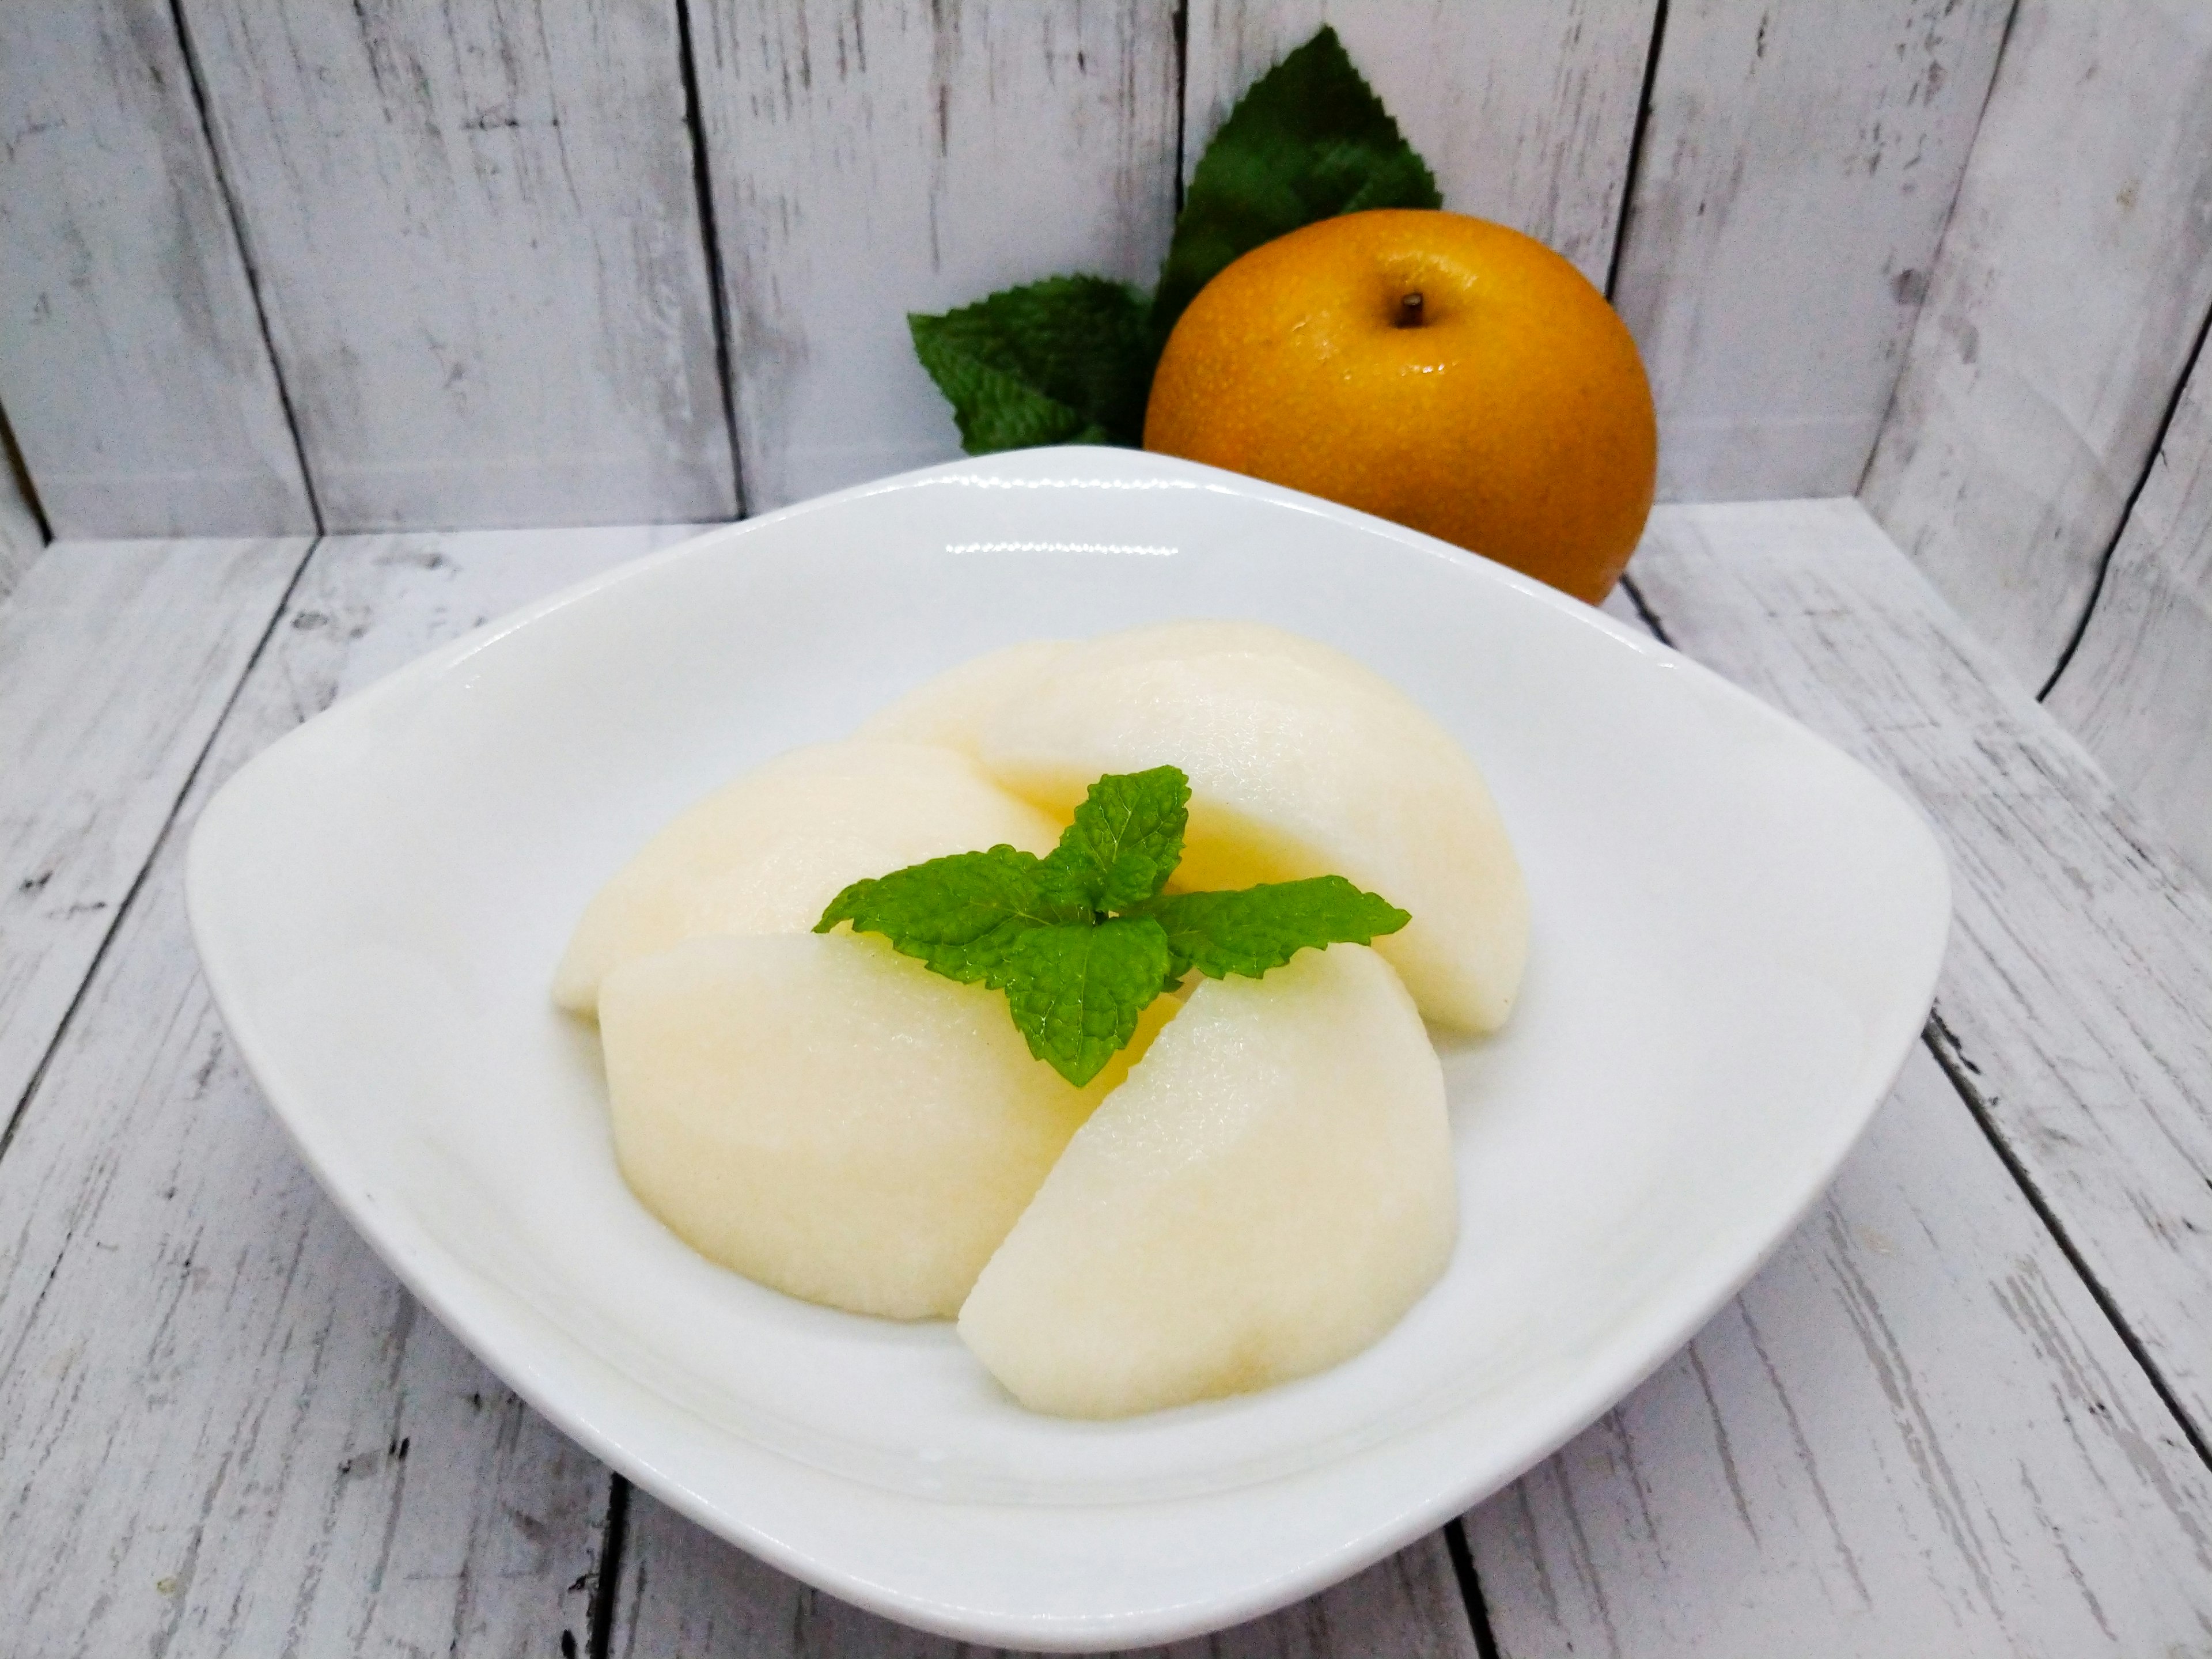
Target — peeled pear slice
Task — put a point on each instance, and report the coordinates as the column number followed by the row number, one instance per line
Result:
column 1269, row 1194
column 953, row 709
column 766, row 852
column 832, row 1119
column 1301, row 763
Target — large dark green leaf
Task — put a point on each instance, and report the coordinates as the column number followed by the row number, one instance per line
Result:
column 1068, row 360
column 1309, row 141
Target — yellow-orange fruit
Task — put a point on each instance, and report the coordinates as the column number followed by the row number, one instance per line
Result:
column 1438, row 370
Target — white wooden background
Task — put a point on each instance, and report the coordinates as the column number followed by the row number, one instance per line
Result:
column 398, row 264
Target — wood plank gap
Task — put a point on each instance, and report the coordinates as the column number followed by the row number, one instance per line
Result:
column 1470, row 1588
column 11, row 459
column 2150, row 462
column 198, row 83
column 607, row 1585
column 1889, row 409
column 1182, row 94
column 1636, row 153
column 1951, row 1055
column 718, row 296
column 1645, row 613
column 22, row 1105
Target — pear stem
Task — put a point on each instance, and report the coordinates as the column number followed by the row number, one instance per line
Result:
column 1410, row 311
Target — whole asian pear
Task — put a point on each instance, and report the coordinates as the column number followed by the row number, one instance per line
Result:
column 1440, row 371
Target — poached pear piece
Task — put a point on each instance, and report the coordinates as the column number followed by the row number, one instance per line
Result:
column 953, row 709
column 828, row 1119
column 1301, row 763
column 764, row 853
column 1266, row 1195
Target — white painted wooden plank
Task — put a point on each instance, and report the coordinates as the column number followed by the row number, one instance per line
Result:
column 2138, row 690
column 2073, row 279
column 685, row 1591
column 224, row 1428
column 1914, row 1432
column 117, row 660
column 2078, row 992
column 1795, row 173
column 22, row 537
column 477, row 235
column 875, row 159
column 1525, row 113
column 130, row 355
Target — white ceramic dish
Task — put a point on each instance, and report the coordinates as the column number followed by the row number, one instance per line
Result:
column 1737, row 931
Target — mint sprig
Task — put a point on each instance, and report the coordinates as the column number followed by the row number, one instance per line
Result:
column 1084, row 939
column 1077, row 990
column 1251, row 931
column 1125, row 840
column 1070, row 359
column 961, row 914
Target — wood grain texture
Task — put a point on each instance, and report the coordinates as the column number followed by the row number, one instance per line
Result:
column 2076, row 999
column 478, row 239
column 1526, row 113
column 130, row 355
column 117, row 660
column 1795, row 173
column 890, row 156
column 224, row 1428
column 2138, row 690
column 1914, row 1432
column 2073, row 279
column 685, row 1591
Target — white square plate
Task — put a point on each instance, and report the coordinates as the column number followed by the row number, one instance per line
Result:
column 1736, row 935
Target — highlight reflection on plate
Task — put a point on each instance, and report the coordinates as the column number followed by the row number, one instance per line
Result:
column 1736, row 935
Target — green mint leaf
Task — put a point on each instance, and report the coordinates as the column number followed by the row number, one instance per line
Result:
column 1125, row 840
column 1257, row 929
column 960, row 915
column 1076, row 979
column 1077, row 989
column 1068, row 360
column 1310, row 140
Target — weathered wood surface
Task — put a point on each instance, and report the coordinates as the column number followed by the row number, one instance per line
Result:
column 1794, row 178
column 224, row 1428
column 2077, row 995
column 684, row 1591
column 131, row 359
column 478, row 239
column 1915, row 1432
column 117, row 660
column 871, row 160
column 2074, row 280
column 1526, row 113
column 2138, row 690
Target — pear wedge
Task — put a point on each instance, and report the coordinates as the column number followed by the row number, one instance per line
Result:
column 767, row 852
column 1301, row 763
column 832, row 1119
column 953, row 709
column 1266, row 1195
